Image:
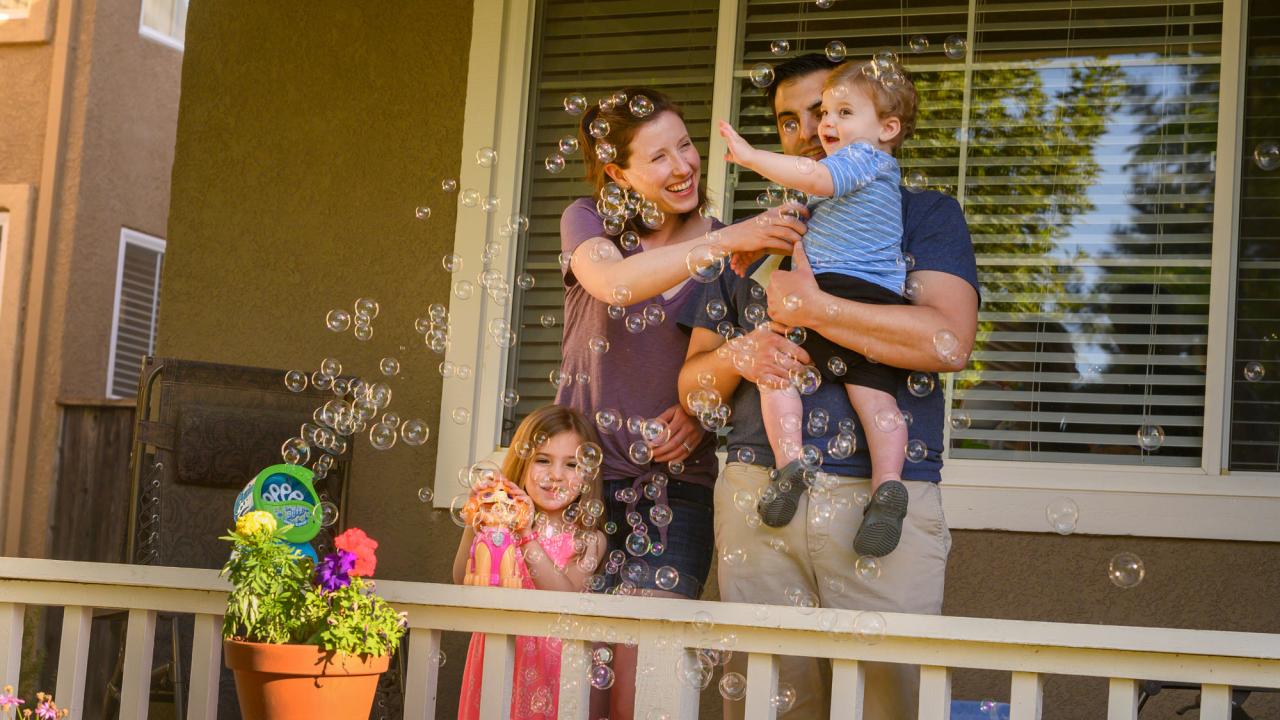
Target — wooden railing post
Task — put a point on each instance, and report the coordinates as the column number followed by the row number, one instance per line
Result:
column 662, row 691
column 140, row 638
column 935, row 692
column 762, row 686
column 848, row 682
column 73, row 658
column 423, row 674
column 1215, row 702
column 574, row 701
column 499, row 666
column 1026, row 696
column 1122, row 699
column 206, row 668
column 11, row 642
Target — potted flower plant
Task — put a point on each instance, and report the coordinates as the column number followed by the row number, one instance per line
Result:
column 304, row 639
column 45, row 709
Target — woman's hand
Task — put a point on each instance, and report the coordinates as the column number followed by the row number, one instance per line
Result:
column 771, row 353
column 686, row 433
column 776, row 230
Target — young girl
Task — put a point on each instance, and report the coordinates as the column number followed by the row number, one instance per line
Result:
column 558, row 552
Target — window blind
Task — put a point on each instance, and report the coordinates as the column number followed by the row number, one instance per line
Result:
column 1255, row 397
column 137, row 308
column 1078, row 135
column 593, row 48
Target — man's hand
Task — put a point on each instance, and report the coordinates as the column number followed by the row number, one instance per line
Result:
column 685, row 435
column 791, row 290
column 737, row 150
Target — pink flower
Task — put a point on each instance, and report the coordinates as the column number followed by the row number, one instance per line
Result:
column 362, row 546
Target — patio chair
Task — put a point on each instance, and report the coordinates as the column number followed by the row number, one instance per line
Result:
column 202, row 431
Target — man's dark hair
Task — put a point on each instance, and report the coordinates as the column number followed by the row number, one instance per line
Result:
column 794, row 68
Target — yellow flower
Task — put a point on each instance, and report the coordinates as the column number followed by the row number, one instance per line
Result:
column 256, row 522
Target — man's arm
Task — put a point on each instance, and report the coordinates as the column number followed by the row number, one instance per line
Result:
column 898, row 335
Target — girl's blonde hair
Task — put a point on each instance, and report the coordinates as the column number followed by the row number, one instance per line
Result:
column 551, row 420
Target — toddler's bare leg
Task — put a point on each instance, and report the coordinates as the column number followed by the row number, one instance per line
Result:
column 881, row 527
column 780, row 500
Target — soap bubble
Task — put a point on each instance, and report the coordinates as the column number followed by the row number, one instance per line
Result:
column 560, row 378
column 601, row 677
column 295, row 380
column 510, row 397
column 920, row 384
column 295, row 451
column 841, row 446
column 910, row 290
column 836, row 51
column 869, row 627
column 1254, row 371
column 525, row 281
column 762, row 75
column 599, row 128
column 638, row 544
column 641, row 106
column 867, row 568
column 554, row 163
column 916, row 450
column 425, row 494
column 326, row 512
column 330, row 367
column 589, row 455
column 780, row 47
column 608, row 421
column 654, row 314
column 960, row 420
column 382, row 436
column 389, row 366
column 918, row 44
column 463, row 289
column 806, row 379
column 598, row 345
column 461, row 415
column 733, row 686
column 704, row 264
column 1126, row 570
column 954, row 46
column 915, row 180
column 785, row 698
column 667, row 577
column 945, row 343
column 1267, row 156
column 1150, row 437
column 568, row 145
column 746, row 455
column 1062, row 514
column 449, row 185
column 415, row 432
column 452, row 263
column 338, row 320
column 635, row 323
column 824, row 4
column 655, row 431
column 575, row 104
column 640, row 453
column 486, row 157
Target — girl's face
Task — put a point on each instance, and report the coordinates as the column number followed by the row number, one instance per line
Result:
column 551, row 478
column 664, row 166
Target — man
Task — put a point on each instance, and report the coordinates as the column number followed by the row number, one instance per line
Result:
column 812, row 558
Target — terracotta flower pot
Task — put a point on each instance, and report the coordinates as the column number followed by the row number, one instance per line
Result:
column 284, row 682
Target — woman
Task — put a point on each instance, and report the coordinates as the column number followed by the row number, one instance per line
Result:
column 631, row 250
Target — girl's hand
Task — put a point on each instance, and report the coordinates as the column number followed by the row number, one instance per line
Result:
column 770, row 231
column 686, row 433
column 737, row 150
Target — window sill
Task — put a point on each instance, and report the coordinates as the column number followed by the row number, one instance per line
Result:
column 160, row 38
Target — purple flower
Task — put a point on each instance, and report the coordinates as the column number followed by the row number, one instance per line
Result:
column 47, row 710
column 8, row 700
column 334, row 571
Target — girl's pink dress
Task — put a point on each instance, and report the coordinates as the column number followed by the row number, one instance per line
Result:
column 536, row 682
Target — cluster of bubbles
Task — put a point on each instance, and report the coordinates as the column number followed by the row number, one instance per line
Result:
column 575, row 104
column 359, row 406
column 1125, row 570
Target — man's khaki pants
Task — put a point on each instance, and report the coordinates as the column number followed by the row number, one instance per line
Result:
column 818, row 557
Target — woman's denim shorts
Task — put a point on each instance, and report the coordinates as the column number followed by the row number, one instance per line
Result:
column 675, row 558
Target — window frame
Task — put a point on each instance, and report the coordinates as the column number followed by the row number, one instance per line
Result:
column 149, row 242
column 1205, row 502
column 17, row 233
column 159, row 36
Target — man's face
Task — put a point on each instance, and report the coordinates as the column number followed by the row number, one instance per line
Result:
column 797, row 107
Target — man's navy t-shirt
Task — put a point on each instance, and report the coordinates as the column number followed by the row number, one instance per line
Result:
column 935, row 234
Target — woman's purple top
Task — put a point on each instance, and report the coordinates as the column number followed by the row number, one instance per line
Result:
column 639, row 373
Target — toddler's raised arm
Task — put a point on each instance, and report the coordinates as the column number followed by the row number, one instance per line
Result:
column 801, row 173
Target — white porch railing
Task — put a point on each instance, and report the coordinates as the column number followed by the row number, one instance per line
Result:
column 664, row 630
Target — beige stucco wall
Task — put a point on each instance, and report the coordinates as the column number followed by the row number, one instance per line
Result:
column 117, row 155
column 308, row 134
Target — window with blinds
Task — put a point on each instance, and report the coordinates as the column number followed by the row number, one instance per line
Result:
column 1255, row 380
column 593, row 48
column 137, row 306
column 1079, row 138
